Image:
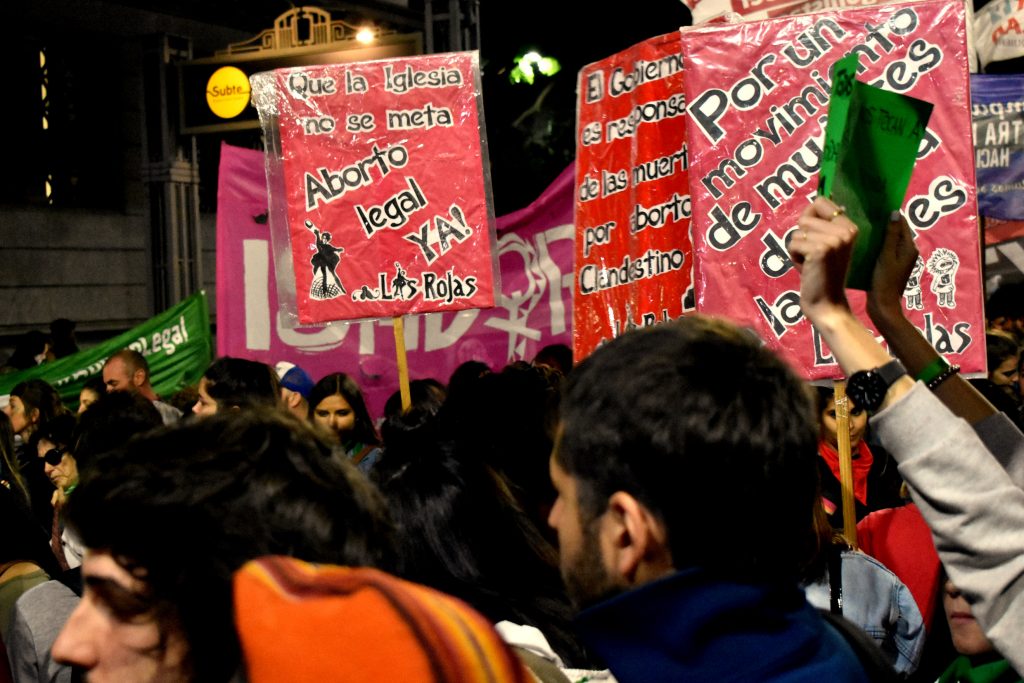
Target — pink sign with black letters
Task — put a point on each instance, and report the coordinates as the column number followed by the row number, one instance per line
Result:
column 757, row 96
column 379, row 188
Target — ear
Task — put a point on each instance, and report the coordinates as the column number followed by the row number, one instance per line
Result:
column 292, row 399
column 139, row 377
column 33, row 416
column 634, row 540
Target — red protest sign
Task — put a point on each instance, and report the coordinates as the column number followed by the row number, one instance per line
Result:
column 379, row 196
column 757, row 97
column 632, row 200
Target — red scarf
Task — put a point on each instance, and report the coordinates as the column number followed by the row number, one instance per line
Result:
column 860, row 457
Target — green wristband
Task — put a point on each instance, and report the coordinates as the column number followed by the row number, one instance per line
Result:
column 932, row 370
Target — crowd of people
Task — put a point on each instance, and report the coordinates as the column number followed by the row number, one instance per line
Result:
column 669, row 509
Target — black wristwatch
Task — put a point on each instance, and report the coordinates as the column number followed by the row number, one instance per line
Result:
column 867, row 388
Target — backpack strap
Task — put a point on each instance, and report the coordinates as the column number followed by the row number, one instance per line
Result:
column 835, row 579
column 876, row 666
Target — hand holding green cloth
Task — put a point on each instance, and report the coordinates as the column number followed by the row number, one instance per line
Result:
column 871, row 143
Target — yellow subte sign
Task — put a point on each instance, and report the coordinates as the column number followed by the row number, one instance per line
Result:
column 227, row 92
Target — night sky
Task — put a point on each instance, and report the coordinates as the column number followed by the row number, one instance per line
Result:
column 526, row 156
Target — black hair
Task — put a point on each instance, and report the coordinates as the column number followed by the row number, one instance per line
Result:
column 62, row 336
column 557, row 356
column 998, row 348
column 343, row 385
column 425, row 394
column 822, row 396
column 29, row 345
column 57, row 431
column 506, row 420
column 1006, row 302
column 10, row 470
column 23, row 540
column 95, row 385
column 37, row 394
column 109, row 423
column 185, row 506
column 466, row 375
column 460, row 531
column 242, row 383
column 708, row 429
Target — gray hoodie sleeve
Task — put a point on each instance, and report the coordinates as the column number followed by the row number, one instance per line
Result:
column 973, row 506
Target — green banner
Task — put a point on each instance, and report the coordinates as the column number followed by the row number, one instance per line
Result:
column 177, row 345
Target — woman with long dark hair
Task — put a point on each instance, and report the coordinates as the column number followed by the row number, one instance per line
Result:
column 33, row 403
column 461, row 531
column 10, row 472
column 337, row 408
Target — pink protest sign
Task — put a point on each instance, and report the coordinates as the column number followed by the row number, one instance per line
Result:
column 702, row 10
column 633, row 256
column 757, row 98
column 379, row 192
column 533, row 308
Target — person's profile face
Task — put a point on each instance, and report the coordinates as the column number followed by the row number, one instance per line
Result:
column 21, row 417
column 62, row 475
column 116, row 376
column 206, row 405
column 114, row 634
column 586, row 577
column 1006, row 374
column 86, row 398
column 968, row 638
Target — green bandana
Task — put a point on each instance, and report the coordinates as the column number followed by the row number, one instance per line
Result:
column 961, row 671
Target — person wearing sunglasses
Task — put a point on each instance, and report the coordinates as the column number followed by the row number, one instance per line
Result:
column 52, row 443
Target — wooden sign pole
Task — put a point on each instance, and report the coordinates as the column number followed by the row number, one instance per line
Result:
column 845, row 463
column 403, row 363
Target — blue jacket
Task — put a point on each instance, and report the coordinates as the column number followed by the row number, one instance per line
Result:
column 877, row 601
column 693, row 627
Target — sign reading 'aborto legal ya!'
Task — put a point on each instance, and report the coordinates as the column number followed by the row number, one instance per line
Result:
column 379, row 196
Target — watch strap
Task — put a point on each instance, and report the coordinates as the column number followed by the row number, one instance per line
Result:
column 891, row 371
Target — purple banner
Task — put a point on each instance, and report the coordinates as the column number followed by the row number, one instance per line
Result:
column 533, row 309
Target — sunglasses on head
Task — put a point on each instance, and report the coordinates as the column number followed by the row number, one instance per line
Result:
column 54, row 456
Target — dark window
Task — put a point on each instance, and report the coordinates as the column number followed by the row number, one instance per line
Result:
column 63, row 119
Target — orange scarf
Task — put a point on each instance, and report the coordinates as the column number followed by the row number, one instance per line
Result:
column 860, row 457
column 300, row 622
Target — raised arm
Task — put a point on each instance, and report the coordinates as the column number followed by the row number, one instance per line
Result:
column 885, row 307
column 821, row 252
column 974, row 509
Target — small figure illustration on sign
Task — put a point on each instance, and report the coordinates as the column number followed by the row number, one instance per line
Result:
column 399, row 284
column 325, row 260
column 912, row 292
column 943, row 264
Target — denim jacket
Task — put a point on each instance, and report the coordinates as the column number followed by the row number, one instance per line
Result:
column 877, row 601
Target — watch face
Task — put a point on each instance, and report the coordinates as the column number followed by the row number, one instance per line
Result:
column 867, row 390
